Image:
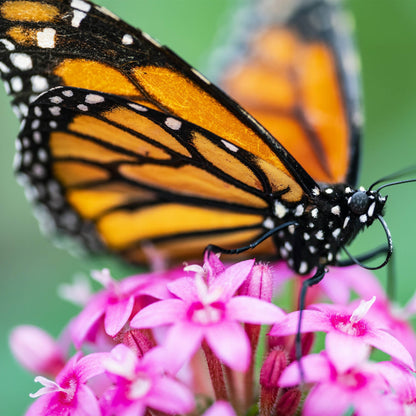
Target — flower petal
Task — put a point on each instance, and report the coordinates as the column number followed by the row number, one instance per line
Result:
column 312, row 321
column 170, row 396
column 383, row 341
column 181, row 342
column 117, row 314
column 346, row 351
column 86, row 403
column 159, row 313
column 220, row 408
column 326, row 399
column 252, row 310
column 81, row 325
column 230, row 344
column 316, row 368
column 231, row 279
column 91, row 365
column 184, row 288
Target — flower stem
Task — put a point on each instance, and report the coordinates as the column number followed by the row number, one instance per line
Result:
column 216, row 373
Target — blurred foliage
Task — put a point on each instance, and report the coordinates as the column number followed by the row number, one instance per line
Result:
column 31, row 267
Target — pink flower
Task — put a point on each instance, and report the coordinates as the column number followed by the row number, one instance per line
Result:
column 395, row 320
column 220, row 408
column 208, row 310
column 402, row 383
column 115, row 304
column 349, row 335
column 360, row 387
column 340, row 281
column 69, row 394
column 141, row 382
column 36, row 350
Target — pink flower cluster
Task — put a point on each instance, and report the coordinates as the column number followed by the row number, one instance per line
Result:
column 189, row 342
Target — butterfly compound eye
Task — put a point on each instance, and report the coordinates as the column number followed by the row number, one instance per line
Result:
column 359, row 202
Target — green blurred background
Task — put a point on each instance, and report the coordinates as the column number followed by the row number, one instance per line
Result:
column 31, row 267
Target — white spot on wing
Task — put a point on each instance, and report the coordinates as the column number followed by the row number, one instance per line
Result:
column 9, row 45
column 68, row 93
column 268, row 223
column 319, row 235
column 127, row 39
column 78, row 18
column 316, row 191
column 24, row 109
column 55, row 110
column 46, row 38
column 21, row 61
column 7, row 87
column 82, row 107
column 4, row 68
column 81, row 5
column 137, row 107
column 94, row 99
column 229, row 146
column 37, row 137
column 55, row 100
column 16, row 84
column 280, row 210
column 39, row 83
column 173, row 123
column 363, row 218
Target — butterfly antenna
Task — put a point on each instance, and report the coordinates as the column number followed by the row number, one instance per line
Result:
column 395, row 183
column 216, row 249
column 395, row 175
column 388, row 250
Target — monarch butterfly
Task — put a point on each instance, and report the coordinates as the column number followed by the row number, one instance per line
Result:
column 128, row 144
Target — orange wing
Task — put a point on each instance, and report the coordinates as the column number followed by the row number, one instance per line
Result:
column 298, row 77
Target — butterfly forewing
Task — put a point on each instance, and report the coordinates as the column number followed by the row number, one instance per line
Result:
column 131, row 145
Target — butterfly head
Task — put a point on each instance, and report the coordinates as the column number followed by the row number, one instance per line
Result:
column 366, row 205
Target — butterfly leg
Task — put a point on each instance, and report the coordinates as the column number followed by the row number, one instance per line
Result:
column 315, row 279
column 216, row 249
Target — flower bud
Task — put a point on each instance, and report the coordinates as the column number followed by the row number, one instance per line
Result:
column 259, row 283
column 288, row 403
column 138, row 341
column 36, row 350
column 270, row 373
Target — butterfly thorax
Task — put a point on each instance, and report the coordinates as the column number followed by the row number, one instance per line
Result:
column 325, row 224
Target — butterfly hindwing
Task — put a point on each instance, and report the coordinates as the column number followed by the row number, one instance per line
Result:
column 295, row 70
